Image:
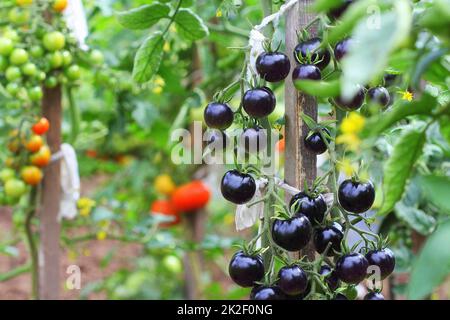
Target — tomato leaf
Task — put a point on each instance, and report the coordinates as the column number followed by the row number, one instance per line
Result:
column 323, row 89
column 436, row 189
column 432, row 265
column 399, row 166
column 191, row 26
column 143, row 17
column 148, row 58
column 424, row 63
column 415, row 218
column 400, row 110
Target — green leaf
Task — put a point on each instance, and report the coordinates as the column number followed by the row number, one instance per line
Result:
column 143, row 17
column 402, row 109
column 323, row 89
column 325, row 5
column 415, row 218
column 191, row 26
column 432, row 266
column 374, row 41
column 436, row 188
column 144, row 114
column 423, row 64
column 148, row 57
column 444, row 125
column 399, row 166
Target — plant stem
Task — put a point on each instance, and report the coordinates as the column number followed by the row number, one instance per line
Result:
column 32, row 245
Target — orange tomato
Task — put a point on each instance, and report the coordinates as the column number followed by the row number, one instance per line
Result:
column 41, row 126
column 60, row 5
column 166, row 208
column 31, row 175
column 91, row 153
column 42, row 157
column 280, row 145
column 191, row 196
column 34, row 144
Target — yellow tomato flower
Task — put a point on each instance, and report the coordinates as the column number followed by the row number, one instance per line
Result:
column 350, row 139
column 164, row 184
column 219, row 13
column 159, row 81
column 406, row 95
column 166, row 47
column 157, row 90
column 347, row 167
column 72, row 255
column 101, row 235
column 354, row 123
column 85, row 206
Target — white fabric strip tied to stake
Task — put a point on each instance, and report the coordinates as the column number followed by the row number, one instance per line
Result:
column 70, row 181
column 76, row 21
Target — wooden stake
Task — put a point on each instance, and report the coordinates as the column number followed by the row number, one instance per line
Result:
column 49, row 254
column 300, row 163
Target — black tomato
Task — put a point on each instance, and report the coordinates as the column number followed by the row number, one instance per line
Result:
column 273, row 66
column 315, row 143
column 379, row 95
column 292, row 280
column 329, row 234
column 384, row 259
column 355, row 196
column 351, row 104
column 266, row 293
column 331, row 278
column 336, row 13
column 312, row 47
column 245, row 270
column 341, row 48
column 313, row 208
column 373, row 296
column 389, row 79
column 352, row 268
column 259, row 102
column 253, row 140
column 218, row 115
column 217, row 139
column 306, row 72
column 292, row 234
column 340, row 296
column 237, row 187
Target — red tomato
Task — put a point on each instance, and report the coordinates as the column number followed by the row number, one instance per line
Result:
column 191, row 196
column 41, row 126
column 166, row 208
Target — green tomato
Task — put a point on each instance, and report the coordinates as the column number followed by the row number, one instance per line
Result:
column 3, row 63
column 36, row 52
column 41, row 75
column 6, row 46
column 18, row 16
column 54, row 41
column 12, row 73
column 15, row 188
column 172, row 264
column 7, row 174
column 29, row 69
column 73, row 72
column 11, row 35
column 18, row 56
column 67, row 57
column 51, row 82
column 55, row 59
column 12, row 88
column 35, row 93
column 96, row 57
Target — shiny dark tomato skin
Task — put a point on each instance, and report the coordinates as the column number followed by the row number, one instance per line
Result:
column 292, row 234
column 355, row 196
column 341, row 48
column 354, row 103
column 259, row 102
column 331, row 278
column 312, row 46
column 253, row 140
column 315, row 143
column 384, row 259
column 292, row 280
column 379, row 95
column 352, row 268
column 313, row 208
column 245, row 270
column 238, row 187
column 336, row 13
column 218, row 115
column 329, row 234
column 306, row 72
column 273, row 66
column 373, row 296
column 267, row 293
column 389, row 79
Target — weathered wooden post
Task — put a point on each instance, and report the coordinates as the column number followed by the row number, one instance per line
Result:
column 300, row 163
column 49, row 252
